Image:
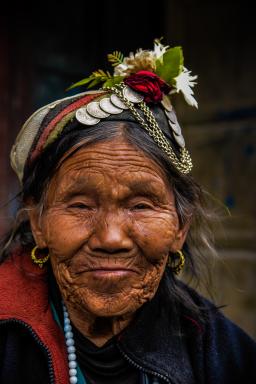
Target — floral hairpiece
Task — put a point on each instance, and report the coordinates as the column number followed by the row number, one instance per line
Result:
column 151, row 73
column 138, row 81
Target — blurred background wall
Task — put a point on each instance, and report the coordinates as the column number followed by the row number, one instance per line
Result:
column 45, row 49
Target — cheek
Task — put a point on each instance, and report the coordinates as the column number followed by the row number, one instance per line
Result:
column 65, row 233
column 155, row 233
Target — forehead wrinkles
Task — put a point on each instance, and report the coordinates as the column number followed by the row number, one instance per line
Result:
column 107, row 157
column 118, row 181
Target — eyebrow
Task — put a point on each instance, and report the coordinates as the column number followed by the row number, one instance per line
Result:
column 147, row 188
column 143, row 187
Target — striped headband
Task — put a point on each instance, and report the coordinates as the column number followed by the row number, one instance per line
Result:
column 43, row 127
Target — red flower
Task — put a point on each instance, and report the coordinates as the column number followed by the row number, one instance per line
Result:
column 149, row 85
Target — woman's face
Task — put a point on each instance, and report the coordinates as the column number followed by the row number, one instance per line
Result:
column 109, row 223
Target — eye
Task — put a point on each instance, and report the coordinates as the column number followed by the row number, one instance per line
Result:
column 142, row 206
column 79, row 206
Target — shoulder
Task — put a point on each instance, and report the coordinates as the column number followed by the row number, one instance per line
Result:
column 216, row 323
column 226, row 349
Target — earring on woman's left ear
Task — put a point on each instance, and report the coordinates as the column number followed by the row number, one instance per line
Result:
column 176, row 266
column 40, row 261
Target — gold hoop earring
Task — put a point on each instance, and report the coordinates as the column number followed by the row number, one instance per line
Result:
column 39, row 261
column 176, row 268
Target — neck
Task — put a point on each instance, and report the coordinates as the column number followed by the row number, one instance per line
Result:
column 98, row 329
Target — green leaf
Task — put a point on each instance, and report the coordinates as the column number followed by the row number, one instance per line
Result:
column 115, row 58
column 101, row 73
column 170, row 64
column 113, row 81
column 81, row 82
column 95, row 82
column 95, row 78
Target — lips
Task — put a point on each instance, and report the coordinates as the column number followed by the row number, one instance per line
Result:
column 111, row 272
column 103, row 269
column 112, row 269
column 85, row 265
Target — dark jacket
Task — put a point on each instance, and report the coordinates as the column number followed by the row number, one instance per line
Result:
column 164, row 340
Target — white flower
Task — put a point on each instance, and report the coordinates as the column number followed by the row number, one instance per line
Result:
column 184, row 82
column 120, row 69
column 159, row 49
column 139, row 52
column 141, row 60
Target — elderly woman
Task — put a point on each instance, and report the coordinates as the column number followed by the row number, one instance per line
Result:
column 109, row 213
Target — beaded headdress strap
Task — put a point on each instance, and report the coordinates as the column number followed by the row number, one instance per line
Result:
column 138, row 82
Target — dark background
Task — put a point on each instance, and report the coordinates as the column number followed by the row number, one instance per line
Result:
column 45, row 49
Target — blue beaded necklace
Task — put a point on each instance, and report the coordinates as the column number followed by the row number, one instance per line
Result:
column 75, row 374
column 70, row 343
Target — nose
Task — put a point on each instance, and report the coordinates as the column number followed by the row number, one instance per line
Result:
column 110, row 236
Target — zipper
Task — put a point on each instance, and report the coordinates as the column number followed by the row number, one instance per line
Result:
column 145, row 370
column 39, row 342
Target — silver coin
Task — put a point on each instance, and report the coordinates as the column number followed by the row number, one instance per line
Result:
column 179, row 140
column 171, row 116
column 166, row 103
column 117, row 101
column 132, row 96
column 84, row 118
column 94, row 110
column 175, row 127
column 107, row 106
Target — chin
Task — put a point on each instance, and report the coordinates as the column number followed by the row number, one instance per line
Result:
column 109, row 306
column 109, row 312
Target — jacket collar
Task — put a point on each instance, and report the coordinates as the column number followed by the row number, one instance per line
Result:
column 24, row 297
column 156, row 341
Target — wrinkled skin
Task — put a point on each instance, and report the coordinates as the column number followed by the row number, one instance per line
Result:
column 108, row 206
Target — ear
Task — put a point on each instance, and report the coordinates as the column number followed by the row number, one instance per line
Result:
column 36, row 227
column 180, row 238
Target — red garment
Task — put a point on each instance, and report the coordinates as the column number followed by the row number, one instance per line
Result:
column 24, row 296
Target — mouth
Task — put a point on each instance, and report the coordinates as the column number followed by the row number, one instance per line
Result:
column 95, row 267
column 109, row 268
column 111, row 272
